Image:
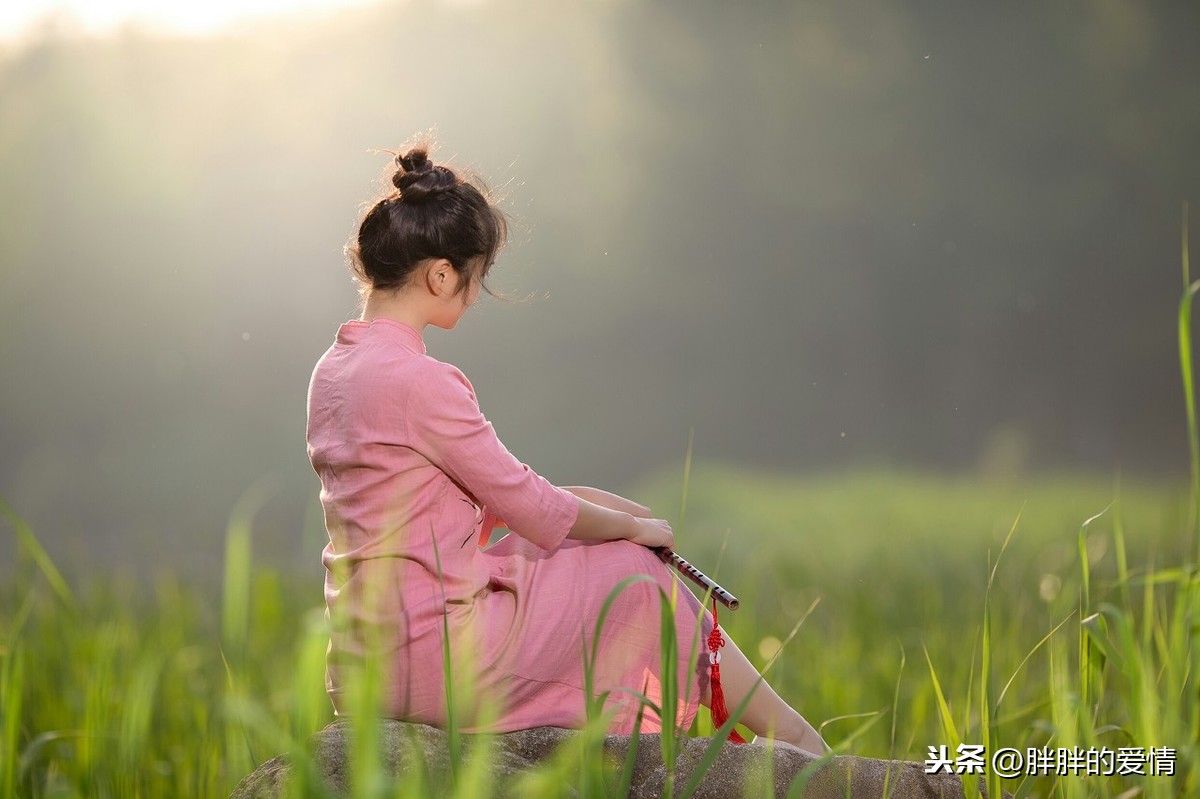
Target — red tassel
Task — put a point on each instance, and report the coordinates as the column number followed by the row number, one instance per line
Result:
column 720, row 713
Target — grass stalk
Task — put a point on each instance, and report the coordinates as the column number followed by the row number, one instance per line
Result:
column 1189, row 389
column 12, row 677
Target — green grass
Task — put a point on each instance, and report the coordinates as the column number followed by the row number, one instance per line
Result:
column 1057, row 611
column 182, row 693
column 908, row 565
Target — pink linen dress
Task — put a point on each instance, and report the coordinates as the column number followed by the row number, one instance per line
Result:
column 413, row 478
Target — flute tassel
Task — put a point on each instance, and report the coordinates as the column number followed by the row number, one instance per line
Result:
column 720, row 713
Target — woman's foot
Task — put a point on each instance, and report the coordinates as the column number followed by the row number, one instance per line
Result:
column 781, row 745
column 800, row 734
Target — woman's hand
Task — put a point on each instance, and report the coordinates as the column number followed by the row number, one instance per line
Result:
column 652, row 533
column 598, row 523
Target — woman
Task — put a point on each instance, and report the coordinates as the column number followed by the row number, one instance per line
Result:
column 413, row 479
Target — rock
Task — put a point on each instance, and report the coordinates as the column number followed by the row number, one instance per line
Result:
column 738, row 770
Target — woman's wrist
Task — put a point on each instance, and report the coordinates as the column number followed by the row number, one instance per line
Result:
column 629, row 526
column 598, row 523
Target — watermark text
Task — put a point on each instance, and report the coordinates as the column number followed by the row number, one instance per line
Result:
column 1064, row 761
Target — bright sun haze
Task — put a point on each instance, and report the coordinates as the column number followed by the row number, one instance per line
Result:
column 191, row 17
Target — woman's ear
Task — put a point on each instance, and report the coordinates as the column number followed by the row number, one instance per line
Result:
column 440, row 277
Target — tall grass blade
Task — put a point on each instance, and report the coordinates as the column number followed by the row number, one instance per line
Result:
column 592, row 706
column 29, row 544
column 988, row 731
column 454, row 740
column 12, row 682
column 630, row 763
column 365, row 762
column 954, row 739
column 1187, row 277
column 310, row 703
column 33, row 752
column 687, row 476
column 235, row 607
column 1189, row 387
column 1085, row 561
column 668, row 684
column 475, row 774
column 1028, row 655
column 895, row 713
column 896, row 703
column 872, row 718
column 235, row 615
column 1089, row 670
column 19, row 618
column 1096, row 629
column 138, row 714
column 1121, row 553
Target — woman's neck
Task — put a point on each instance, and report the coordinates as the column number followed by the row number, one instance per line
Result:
column 397, row 305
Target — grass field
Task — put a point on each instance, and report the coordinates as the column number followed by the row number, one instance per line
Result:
column 1057, row 614
column 927, row 630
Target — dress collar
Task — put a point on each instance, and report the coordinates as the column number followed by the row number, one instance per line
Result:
column 353, row 331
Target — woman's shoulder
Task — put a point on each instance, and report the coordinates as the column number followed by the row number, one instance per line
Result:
column 434, row 377
column 406, row 379
column 373, row 364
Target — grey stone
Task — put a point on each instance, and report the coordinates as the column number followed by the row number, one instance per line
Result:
column 416, row 751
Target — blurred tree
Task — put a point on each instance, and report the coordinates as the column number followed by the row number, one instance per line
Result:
column 819, row 234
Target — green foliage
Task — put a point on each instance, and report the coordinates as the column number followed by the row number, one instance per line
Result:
column 108, row 694
column 131, row 694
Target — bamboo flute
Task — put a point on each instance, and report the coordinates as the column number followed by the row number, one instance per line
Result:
column 698, row 577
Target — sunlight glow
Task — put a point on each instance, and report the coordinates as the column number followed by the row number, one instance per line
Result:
column 18, row 18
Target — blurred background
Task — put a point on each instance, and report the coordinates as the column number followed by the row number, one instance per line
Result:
column 824, row 236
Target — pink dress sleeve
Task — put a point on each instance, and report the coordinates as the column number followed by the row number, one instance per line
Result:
column 446, row 426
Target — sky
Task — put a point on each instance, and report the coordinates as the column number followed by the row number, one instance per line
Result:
column 19, row 17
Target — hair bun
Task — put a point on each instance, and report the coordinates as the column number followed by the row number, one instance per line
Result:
column 418, row 179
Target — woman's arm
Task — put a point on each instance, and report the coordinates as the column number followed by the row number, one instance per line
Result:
column 444, row 424
column 606, row 499
column 598, row 523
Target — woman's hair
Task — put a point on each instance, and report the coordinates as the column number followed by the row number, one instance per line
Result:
column 431, row 213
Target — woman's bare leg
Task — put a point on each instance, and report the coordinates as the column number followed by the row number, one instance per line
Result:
column 766, row 714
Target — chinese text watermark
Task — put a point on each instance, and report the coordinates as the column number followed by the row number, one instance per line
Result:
column 1150, row 761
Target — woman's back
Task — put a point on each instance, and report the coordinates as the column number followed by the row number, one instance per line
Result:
column 412, row 479
column 407, row 463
